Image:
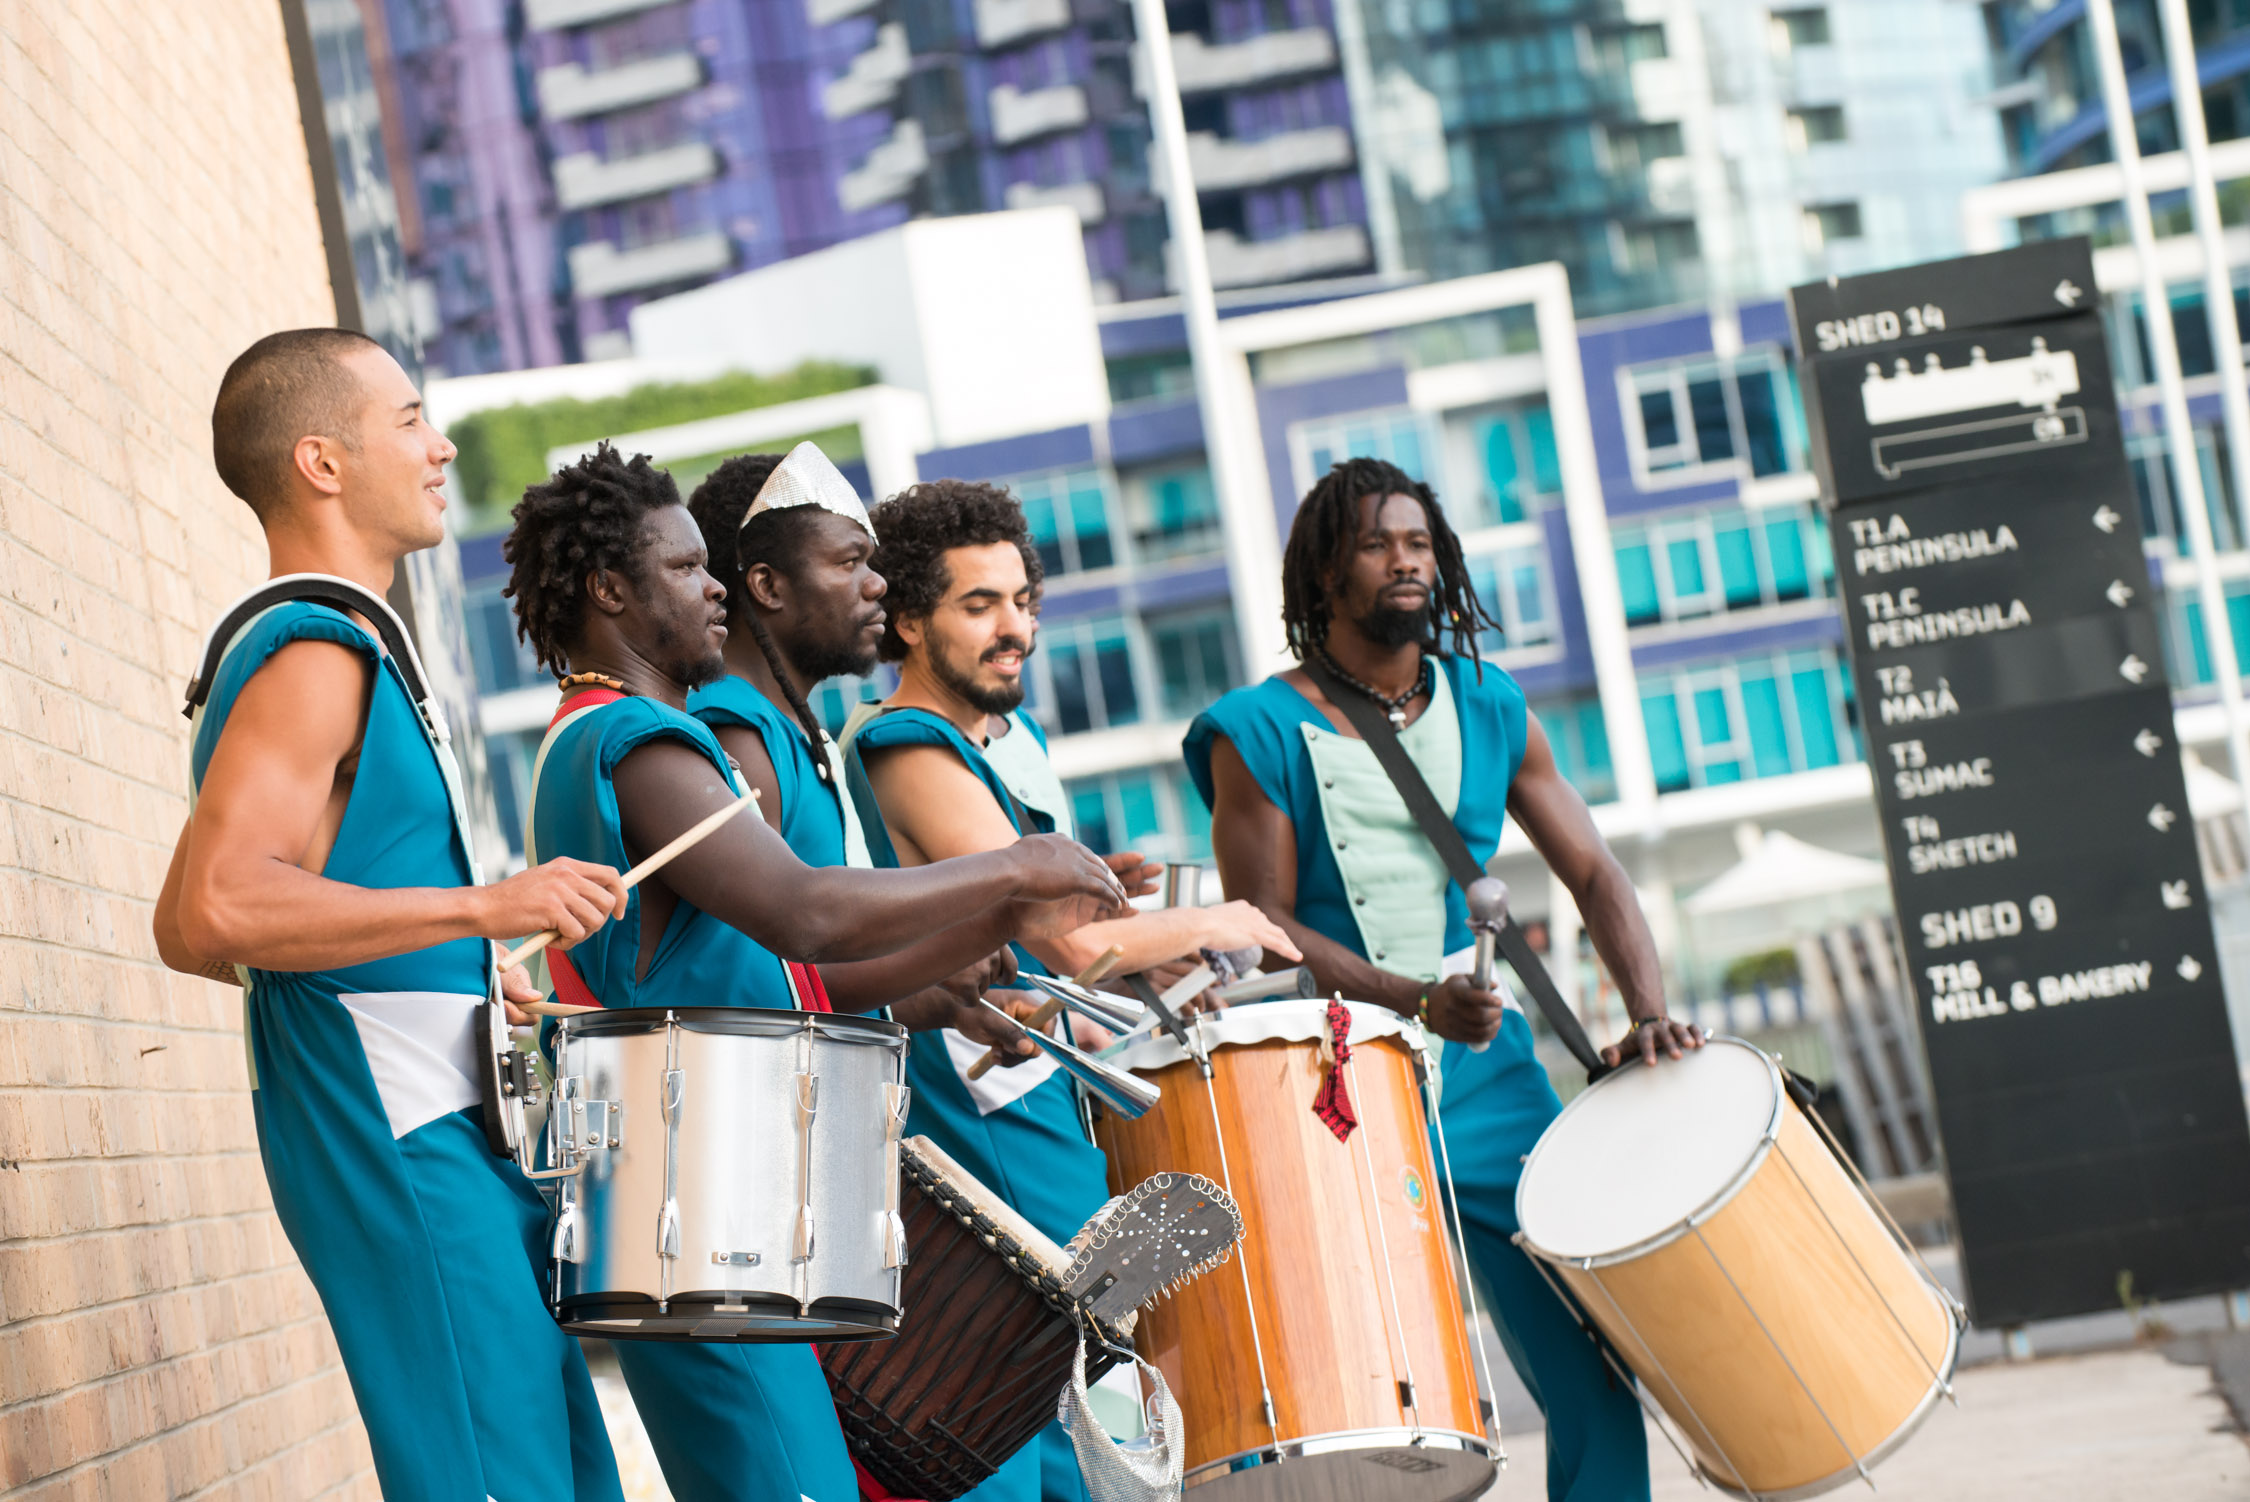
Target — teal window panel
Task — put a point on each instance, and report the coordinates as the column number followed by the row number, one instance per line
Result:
column 2238, row 625
column 1714, row 726
column 1769, row 731
column 1722, row 771
column 1089, row 519
column 2199, row 648
column 1500, row 467
column 1593, row 732
column 1636, row 579
column 1667, row 748
column 1091, row 811
column 1785, row 552
column 1761, row 423
column 1685, row 559
column 1531, row 600
column 1738, row 568
column 1546, row 464
column 1136, row 798
column 1816, row 721
column 1046, row 535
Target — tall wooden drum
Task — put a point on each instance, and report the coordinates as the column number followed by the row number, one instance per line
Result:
column 1733, row 1261
column 1332, row 1362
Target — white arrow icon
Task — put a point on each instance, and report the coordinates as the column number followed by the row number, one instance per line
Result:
column 2175, row 894
column 2107, row 519
column 2120, row 593
column 2188, row 967
column 2148, row 743
column 2161, row 818
column 2067, row 293
column 2132, row 669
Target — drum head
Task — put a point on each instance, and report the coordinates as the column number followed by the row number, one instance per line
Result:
column 1631, row 1159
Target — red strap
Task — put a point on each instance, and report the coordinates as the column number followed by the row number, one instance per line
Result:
column 1333, row 1104
column 812, row 991
column 592, row 698
column 873, row 1490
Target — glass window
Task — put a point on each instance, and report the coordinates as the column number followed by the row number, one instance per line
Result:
column 1636, row 578
column 1513, row 586
column 833, row 701
column 1701, row 411
column 501, row 661
column 1832, row 221
column 1084, row 675
column 1068, row 515
column 1785, row 546
column 1738, row 567
column 1174, row 513
column 1815, row 124
column 1801, row 26
column 1759, row 716
column 1195, row 659
column 1153, row 810
column 1392, row 436
column 1667, row 748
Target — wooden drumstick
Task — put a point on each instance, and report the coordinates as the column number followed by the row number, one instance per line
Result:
column 1048, row 1009
column 633, row 878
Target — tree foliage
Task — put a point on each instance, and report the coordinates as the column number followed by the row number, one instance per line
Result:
column 504, row 449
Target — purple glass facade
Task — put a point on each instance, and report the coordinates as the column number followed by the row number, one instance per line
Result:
column 573, row 158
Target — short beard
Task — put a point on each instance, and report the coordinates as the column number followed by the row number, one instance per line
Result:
column 999, row 700
column 688, row 672
column 818, row 664
column 1391, row 628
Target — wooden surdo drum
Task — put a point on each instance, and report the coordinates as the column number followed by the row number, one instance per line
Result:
column 1728, row 1253
column 1336, row 1364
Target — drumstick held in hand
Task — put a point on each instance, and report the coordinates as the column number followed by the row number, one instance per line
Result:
column 1106, row 962
column 634, row 877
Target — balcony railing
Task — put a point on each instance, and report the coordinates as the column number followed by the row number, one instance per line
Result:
column 1000, row 22
column 1086, row 198
column 1019, row 115
column 889, row 172
column 1314, row 252
column 1220, row 164
column 570, row 92
column 873, row 78
column 1203, row 68
column 555, row 15
column 600, row 269
column 584, row 181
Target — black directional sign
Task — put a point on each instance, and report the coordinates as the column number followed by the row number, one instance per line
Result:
column 2009, row 668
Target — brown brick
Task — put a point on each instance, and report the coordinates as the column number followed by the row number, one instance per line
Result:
column 157, row 1338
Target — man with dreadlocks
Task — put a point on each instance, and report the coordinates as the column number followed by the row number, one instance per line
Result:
column 611, row 592
column 950, row 765
column 1306, row 824
column 790, row 539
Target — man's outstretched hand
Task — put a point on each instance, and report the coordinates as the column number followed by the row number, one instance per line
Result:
column 1654, row 1036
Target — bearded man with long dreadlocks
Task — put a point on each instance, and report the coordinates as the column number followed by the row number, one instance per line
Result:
column 612, row 594
column 1306, row 824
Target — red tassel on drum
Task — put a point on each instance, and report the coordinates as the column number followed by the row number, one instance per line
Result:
column 1333, row 1104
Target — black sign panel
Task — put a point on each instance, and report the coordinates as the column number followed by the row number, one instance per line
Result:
column 2045, row 279
column 2009, row 667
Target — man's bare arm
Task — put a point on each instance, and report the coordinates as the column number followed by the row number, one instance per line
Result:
column 245, row 894
column 170, row 947
column 746, row 875
column 938, row 809
column 1561, row 829
column 754, row 764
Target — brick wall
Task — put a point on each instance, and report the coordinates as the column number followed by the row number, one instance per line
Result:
column 157, row 1339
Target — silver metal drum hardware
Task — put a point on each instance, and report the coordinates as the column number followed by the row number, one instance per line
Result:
column 896, row 1098
column 668, row 1217
column 734, row 1259
column 808, row 1108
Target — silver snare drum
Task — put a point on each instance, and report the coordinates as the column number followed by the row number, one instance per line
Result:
column 737, row 1174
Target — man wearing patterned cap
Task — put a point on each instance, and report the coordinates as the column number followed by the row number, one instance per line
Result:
column 790, row 540
column 611, row 592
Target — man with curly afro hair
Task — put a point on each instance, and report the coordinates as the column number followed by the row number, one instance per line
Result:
column 612, row 592
column 950, row 766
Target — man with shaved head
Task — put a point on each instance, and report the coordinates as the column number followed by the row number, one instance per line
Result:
column 325, row 866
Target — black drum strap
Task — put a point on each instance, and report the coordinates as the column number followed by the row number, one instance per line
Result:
column 1445, row 837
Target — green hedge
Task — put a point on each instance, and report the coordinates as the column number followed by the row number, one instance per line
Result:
column 504, row 449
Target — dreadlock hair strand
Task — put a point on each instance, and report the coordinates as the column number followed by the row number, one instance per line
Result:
column 586, row 517
column 916, row 528
column 1325, row 531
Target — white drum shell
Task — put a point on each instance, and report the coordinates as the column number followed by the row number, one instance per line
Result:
column 738, row 1149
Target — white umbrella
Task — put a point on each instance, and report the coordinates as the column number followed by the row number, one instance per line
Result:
column 1780, row 869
